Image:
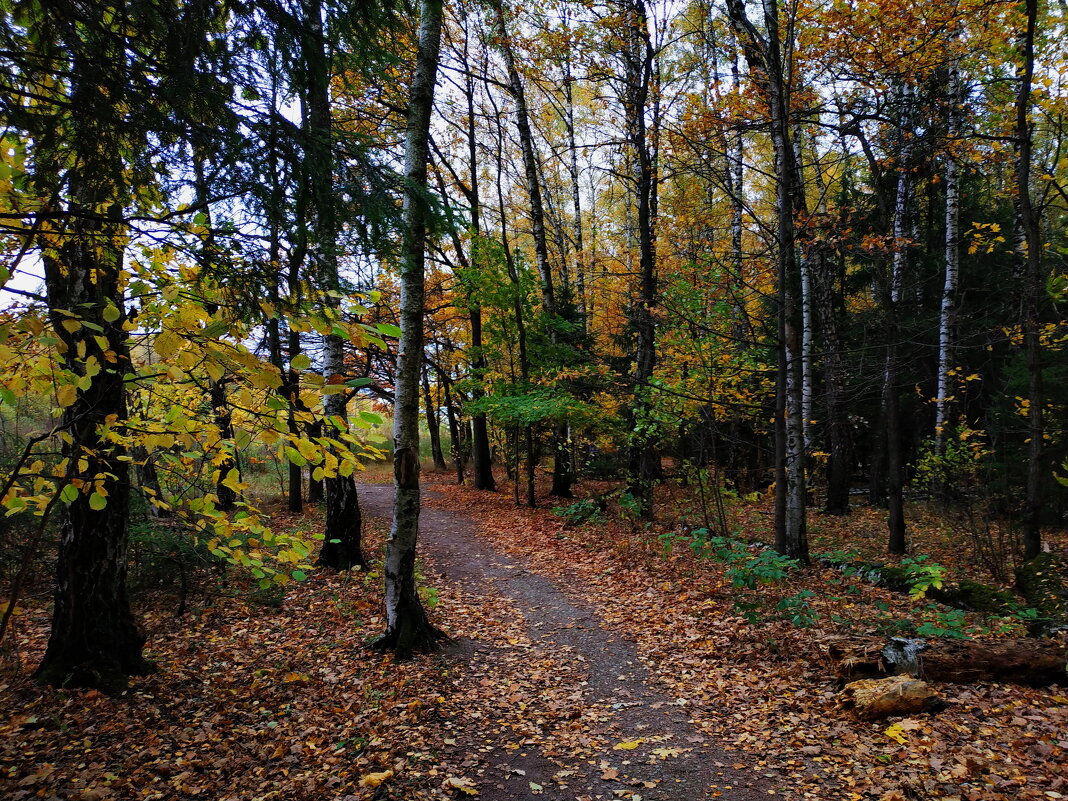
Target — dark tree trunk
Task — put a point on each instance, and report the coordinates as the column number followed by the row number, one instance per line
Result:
column 94, row 641
column 342, row 543
column 454, row 429
column 221, row 411
column 764, row 53
column 343, row 509
column 1029, row 258
column 637, row 54
column 148, row 481
column 433, row 425
column 563, row 477
column 480, row 447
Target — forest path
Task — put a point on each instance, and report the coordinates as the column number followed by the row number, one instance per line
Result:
column 567, row 711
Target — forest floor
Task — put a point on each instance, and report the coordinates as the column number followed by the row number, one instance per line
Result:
column 587, row 662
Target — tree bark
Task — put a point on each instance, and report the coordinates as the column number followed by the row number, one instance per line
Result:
column 1029, row 266
column 896, row 541
column 407, row 627
column 94, row 641
column 433, row 424
column 1035, row 663
column 947, row 311
column 482, row 463
column 637, row 54
column 342, row 547
column 764, row 53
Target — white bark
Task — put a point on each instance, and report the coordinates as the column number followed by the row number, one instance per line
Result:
column 407, row 628
column 947, row 316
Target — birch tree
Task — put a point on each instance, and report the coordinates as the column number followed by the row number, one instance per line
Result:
column 407, row 627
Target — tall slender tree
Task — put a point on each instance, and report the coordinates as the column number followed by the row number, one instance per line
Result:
column 407, row 627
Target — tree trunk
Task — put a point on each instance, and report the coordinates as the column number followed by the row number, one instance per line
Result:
column 948, row 312
column 840, row 451
column 482, row 467
column 433, row 425
column 1029, row 261
column 764, row 53
column 227, row 497
column 530, row 161
column 94, row 641
column 638, row 68
column 342, row 547
column 407, row 627
column 563, row 477
column 896, row 541
column 521, row 331
column 1035, row 663
column 457, row 449
column 576, row 189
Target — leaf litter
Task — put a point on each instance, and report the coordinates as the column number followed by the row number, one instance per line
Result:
column 289, row 703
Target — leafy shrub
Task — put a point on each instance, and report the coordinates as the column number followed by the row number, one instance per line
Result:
column 796, row 609
column 949, row 623
column 586, row 510
column 922, row 575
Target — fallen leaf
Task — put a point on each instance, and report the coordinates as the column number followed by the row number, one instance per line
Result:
column 372, row 780
column 463, row 784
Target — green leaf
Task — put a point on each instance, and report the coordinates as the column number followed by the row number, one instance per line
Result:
column 300, row 362
column 388, row 330
column 294, row 456
column 69, row 494
column 299, row 575
column 97, row 501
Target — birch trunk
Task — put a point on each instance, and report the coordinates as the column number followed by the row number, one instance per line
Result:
column 947, row 313
column 407, row 626
column 805, row 258
column 896, row 543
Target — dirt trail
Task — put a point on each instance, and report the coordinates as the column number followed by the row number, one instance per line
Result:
column 672, row 762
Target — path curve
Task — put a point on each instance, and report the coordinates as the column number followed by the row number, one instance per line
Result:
column 558, row 620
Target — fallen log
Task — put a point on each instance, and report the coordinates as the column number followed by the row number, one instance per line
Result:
column 1034, row 663
column 875, row 699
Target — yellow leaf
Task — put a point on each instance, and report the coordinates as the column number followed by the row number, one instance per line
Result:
column 296, row 678
column 628, row 745
column 664, row 753
column 464, row 785
column 233, row 481
column 166, row 344
column 372, row 780
column 66, row 395
column 896, row 733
